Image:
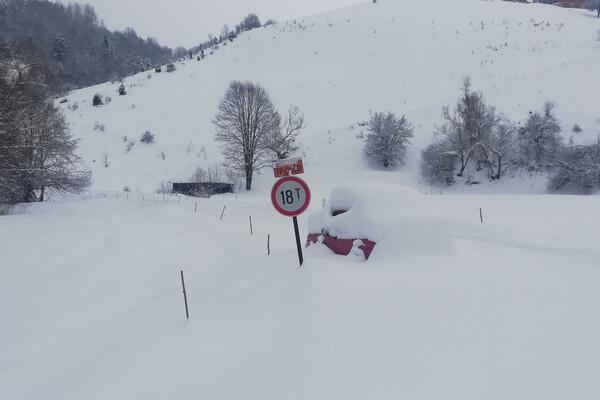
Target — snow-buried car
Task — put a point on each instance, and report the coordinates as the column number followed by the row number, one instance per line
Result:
column 380, row 221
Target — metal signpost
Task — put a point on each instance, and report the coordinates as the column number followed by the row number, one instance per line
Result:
column 291, row 196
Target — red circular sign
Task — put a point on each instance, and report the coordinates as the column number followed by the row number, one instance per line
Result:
column 290, row 196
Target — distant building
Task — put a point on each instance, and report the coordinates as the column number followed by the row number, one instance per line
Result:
column 571, row 4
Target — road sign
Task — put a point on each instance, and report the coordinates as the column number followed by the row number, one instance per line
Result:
column 291, row 166
column 290, row 196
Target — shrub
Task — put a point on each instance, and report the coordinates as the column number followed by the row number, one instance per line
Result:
column 129, row 146
column 540, row 139
column 97, row 100
column 388, row 139
column 577, row 129
column 158, row 69
column 147, row 138
column 171, row 67
column 439, row 163
column 165, row 187
column 122, row 90
column 579, row 170
column 99, row 127
column 216, row 174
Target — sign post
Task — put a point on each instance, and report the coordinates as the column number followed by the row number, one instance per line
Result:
column 290, row 197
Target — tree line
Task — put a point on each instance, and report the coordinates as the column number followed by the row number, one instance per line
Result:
column 248, row 23
column 72, row 46
column 476, row 140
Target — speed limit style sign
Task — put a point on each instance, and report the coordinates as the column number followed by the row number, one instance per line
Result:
column 290, row 196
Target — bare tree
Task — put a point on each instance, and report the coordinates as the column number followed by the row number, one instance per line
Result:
column 468, row 126
column 281, row 139
column 501, row 149
column 36, row 150
column 245, row 117
column 387, row 139
column 578, row 170
column 51, row 162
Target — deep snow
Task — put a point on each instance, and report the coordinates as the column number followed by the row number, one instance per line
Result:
column 91, row 306
column 90, row 299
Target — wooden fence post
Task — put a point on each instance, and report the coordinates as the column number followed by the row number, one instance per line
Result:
column 187, row 312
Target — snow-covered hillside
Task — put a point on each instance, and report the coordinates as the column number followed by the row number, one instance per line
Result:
column 466, row 296
column 403, row 56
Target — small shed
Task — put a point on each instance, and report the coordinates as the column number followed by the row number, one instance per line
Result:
column 202, row 189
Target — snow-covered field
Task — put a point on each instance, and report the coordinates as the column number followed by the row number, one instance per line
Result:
column 91, row 306
column 90, row 297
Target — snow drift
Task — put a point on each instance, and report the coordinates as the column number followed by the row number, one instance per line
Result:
column 400, row 220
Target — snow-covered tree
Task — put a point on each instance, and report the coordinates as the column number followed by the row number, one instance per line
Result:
column 245, row 117
column 387, row 139
column 578, row 170
column 147, row 138
column 500, row 149
column 281, row 139
column 51, row 160
column 473, row 134
column 108, row 52
column 97, row 100
column 468, row 126
column 37, row 152
column 59, row 48
column 250, row 21
column 540, row 139
column 438, row 163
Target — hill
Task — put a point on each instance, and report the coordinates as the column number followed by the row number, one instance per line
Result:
column 464, row 296
column 340, row 66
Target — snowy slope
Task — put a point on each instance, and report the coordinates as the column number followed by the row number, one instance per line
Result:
column 404, row 56
column 90, row 299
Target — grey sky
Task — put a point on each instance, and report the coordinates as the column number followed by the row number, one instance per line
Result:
column 187, row 22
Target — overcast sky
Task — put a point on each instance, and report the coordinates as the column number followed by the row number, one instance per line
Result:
column 187, row 22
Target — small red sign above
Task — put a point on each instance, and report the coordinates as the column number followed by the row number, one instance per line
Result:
column 290, row 166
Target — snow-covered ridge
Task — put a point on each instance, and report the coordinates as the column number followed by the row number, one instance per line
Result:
column 406, row 57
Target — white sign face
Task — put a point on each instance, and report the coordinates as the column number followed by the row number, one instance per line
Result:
column 290, row 196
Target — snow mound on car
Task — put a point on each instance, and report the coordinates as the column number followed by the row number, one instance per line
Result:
column 400, row 220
